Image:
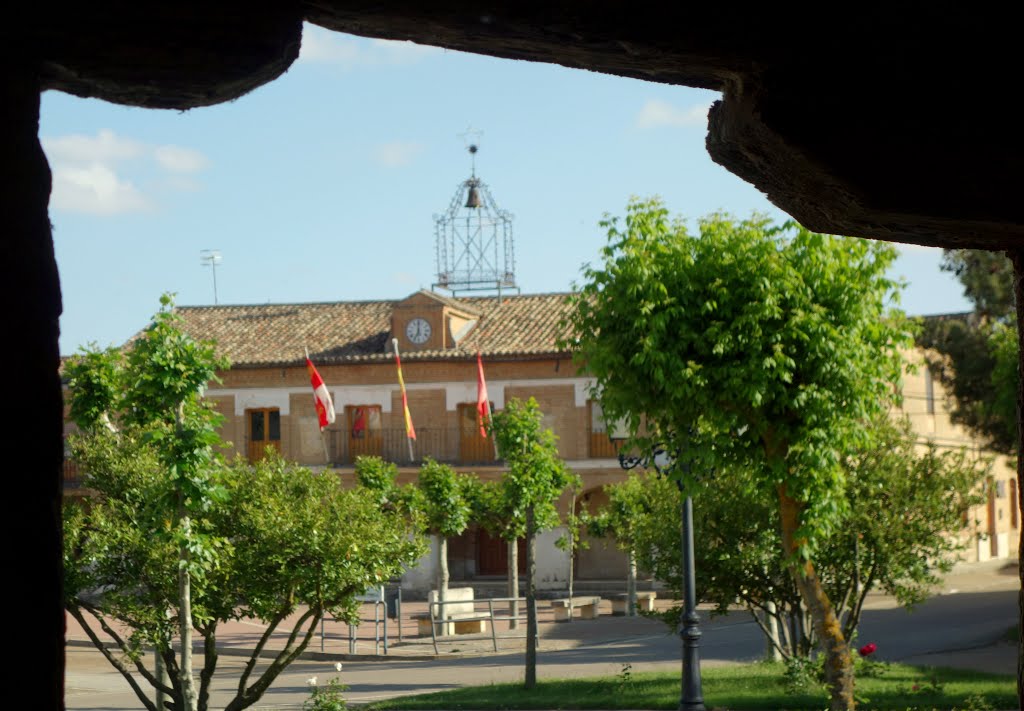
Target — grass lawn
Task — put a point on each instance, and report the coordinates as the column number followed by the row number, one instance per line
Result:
column 753, row 686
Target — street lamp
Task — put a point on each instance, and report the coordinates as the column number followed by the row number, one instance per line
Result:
column 689, row 628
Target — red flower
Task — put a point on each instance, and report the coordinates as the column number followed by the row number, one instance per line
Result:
column 867, row 649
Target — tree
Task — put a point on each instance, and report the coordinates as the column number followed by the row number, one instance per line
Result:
column 502, row 518
column 895, row 534
column 973, row 355
column 628, row 506
column 987, row 278
column 155, row 390
column 441, row 497
column 770, row 344
column 534, row 479
column 174, row 540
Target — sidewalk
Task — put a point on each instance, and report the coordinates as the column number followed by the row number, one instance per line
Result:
column 377, row 636
column 598, row 647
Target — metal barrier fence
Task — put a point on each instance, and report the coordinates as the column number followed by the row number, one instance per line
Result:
column 489, row 616
column 387, row 604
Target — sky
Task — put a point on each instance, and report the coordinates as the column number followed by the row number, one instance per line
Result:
column 324, row 184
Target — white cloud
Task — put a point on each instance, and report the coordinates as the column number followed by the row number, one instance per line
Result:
column 180, row 160
column 94, row 189
column 396, row 153
column 401, row 52
column 348, row 52
column 657, row 113
column 319, row 45
column 89, row 171
column 105, row 146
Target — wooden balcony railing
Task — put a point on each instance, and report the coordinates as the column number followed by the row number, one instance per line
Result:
column 72, row 475
column 448, row 445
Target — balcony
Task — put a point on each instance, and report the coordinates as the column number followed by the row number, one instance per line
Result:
column 448, row 445
column 72, row 479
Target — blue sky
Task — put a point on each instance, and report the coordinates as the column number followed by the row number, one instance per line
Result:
column 323, row 185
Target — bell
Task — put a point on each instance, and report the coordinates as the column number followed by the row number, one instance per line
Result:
column 473, row 197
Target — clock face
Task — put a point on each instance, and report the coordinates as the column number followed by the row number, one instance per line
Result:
column 418, row 331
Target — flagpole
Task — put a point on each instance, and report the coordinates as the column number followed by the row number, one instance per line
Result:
column 485, row 332
column 405, row 403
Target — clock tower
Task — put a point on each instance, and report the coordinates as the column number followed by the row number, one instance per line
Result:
column 427, row 321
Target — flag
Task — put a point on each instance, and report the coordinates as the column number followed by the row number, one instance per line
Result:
column 322, row 398
column 409, row 431
column 359, row 423
column 483, row 404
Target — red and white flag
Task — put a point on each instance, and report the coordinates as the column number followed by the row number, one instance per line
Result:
column 483, row 404
column 322, row 398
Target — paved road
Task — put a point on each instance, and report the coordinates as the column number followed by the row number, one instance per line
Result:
column 955, row 628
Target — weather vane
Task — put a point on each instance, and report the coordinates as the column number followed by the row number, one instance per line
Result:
column 471, row 137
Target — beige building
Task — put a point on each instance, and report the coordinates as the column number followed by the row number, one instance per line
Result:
column 267, row 400
column 992, row 530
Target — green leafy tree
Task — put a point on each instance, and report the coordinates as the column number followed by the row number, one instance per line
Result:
column 534, row 479
column 496, row 510
column 155, row 390
column 575, row 522
column 628, row 506
column 175, row 541
column 376, row 474
column 770, row 344
column 987, row 278
column 904, row 504
column 380, row 476
column 973, row 355
column 441, row 497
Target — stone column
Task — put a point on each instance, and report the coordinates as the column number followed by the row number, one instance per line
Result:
column 32, row 412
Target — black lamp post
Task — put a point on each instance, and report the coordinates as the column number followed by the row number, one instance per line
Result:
column 692, row 699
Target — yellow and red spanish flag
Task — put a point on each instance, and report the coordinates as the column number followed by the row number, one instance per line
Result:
column 410, row 432
column 322, row 398
column 483, row 404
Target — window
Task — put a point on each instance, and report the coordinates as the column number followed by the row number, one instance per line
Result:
column 264, row 432
column 473, row 447
column 600, row 444
column 365, row 434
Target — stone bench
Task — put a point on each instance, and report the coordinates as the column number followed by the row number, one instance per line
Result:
column 644, row 602
column 585, row 604
column 458, row 614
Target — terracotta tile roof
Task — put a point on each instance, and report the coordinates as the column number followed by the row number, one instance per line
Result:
column 360, row 331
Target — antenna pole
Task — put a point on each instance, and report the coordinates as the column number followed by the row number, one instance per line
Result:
column 211, row 258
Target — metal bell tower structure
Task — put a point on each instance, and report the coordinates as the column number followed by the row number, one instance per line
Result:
column 475, row 251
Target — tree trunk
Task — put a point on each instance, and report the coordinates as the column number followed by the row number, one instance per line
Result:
column 531, row 600
column 189, row 695
column 572, row 547
column 838, row 662
column 1017, row 257
column 513, row 583
column 771, row 620
column 160, row 672
column 631, row 584
column 442, row 580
